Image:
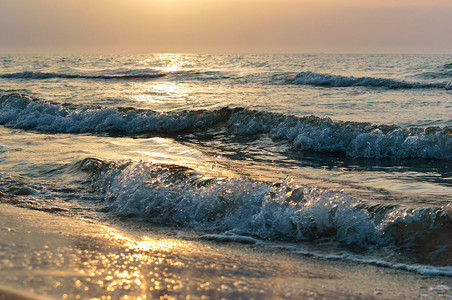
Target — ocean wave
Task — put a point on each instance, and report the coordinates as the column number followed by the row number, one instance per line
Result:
column 117, row 75
column 23, row 112
column 447, row 74
column 311, row 133
column 351, row 138
column 444, row 71
column 329, row 80
column 179, row 196
column 121, row 74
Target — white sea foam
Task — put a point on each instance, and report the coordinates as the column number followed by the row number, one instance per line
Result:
column 352, row 138
column 177, row 195
column 305, row 133
column 418, row 268
column 329, row 80
column 23, row 112
column 231, row 238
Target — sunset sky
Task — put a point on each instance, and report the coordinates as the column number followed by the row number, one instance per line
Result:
column 226, row 26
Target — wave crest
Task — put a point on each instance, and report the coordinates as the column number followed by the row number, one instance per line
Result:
column 24, row 112
column 121, row 74
column 129, row 74
column 305, row 133
column 329, row 80
column 176, row 195
column 352, row 138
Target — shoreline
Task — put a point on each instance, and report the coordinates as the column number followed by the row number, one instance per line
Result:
column 44, row 256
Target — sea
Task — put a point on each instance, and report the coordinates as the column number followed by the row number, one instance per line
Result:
column 335, row 156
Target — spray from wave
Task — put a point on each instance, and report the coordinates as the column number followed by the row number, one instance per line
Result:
column 282, row 211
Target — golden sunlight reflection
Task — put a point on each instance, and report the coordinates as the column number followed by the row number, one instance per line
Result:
column 165, row 151
column 166, row 62
column 163, row 92
column 172, row 62
column 142, row 267
column 146, row 243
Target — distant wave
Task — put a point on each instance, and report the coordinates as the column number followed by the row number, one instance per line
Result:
column 139, row 74
column 305, row 133
column 130, row 74
column 328, row 80
column 282, row 211
column 444, row 71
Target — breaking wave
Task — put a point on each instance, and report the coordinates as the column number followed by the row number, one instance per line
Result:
column 26, row 113
column 304, row 133
column 329, row 80
column 121, row 74
column 128, row 74
column 179, row 196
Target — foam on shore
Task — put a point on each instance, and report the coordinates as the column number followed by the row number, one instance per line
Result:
column 75, row 258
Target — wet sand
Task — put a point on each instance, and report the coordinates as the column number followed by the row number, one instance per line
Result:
column 52, row 256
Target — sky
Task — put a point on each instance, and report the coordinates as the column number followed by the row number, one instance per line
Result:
column 226, row 26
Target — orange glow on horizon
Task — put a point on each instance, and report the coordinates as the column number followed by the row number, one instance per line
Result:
column 226, row 26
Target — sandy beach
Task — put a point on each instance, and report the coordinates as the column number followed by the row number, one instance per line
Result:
column 45, row 256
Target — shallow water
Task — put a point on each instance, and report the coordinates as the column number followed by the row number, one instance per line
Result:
column 77, row 259
column 353, row 151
